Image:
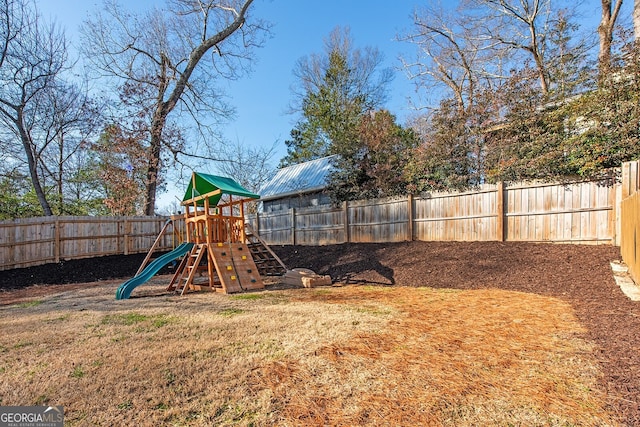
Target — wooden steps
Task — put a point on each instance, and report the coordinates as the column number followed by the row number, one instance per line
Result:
column 266, row 260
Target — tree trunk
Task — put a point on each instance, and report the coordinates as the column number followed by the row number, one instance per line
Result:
column 542, row 74
column 152, row 176
column 61, row 164
column 605, row 35
column 31, row 162
column 154, row 163
column 636, row 19
column 537, row 57
column 163, row 108
column 605, row 31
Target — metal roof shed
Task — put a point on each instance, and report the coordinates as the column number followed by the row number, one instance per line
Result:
column 296, row 181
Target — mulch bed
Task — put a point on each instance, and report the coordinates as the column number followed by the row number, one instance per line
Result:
column 24, row 283
column 580, row 275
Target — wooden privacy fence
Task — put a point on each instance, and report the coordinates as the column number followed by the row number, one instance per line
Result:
column 34, row 241
column 572, row 213
column 584, row 212
column 630, row 218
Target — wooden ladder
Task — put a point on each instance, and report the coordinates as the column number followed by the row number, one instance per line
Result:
column 184, row 275
column 267, row 262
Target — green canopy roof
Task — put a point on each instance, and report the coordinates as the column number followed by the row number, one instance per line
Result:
column 205, row 184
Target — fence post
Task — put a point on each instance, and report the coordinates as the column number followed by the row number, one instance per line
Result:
column 345, row 220
column 293, row 226
column 126, row 228
column 614, row 216
column 410, row 218
column 56, row 243
column 257, row 223
column 500, row 219
column 626, row 184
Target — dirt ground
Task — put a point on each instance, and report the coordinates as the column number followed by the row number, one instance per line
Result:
column 580, row 275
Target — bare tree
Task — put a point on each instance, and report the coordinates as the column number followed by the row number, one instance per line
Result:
column 33, row 55
column 610, row 12
column 484, row 42
column 70, row 117
column 450, row 52
column 160, row 52
column 521, row 26
column 251, row 167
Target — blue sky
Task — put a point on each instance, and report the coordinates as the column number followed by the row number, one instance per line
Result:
column 299, row 27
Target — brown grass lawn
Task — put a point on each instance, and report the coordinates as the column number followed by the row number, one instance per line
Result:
column 353, row 355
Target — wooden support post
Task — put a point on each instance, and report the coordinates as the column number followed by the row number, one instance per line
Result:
column 293, row 226
column 410, row 218
column 614, row 216
column 56, row 243
column 156, row 243
column 500, row 212
column 626, row 184
column 630, row 178
column 243, row 237
column 231, row 231
column 636, row 169
column 127, row 231
column 207, row 229
column 345, row 220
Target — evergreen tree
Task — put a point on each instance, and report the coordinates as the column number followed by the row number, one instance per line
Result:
column 445, row 160
column 373, row 164
column 336, row 89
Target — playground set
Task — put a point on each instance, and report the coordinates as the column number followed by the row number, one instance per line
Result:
column 218, row 250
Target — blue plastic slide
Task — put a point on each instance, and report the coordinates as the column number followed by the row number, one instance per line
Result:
column 124, row 290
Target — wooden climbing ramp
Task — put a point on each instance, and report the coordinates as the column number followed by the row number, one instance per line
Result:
column 235, row 267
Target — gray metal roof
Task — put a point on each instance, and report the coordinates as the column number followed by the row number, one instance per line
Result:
column 295, row 179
